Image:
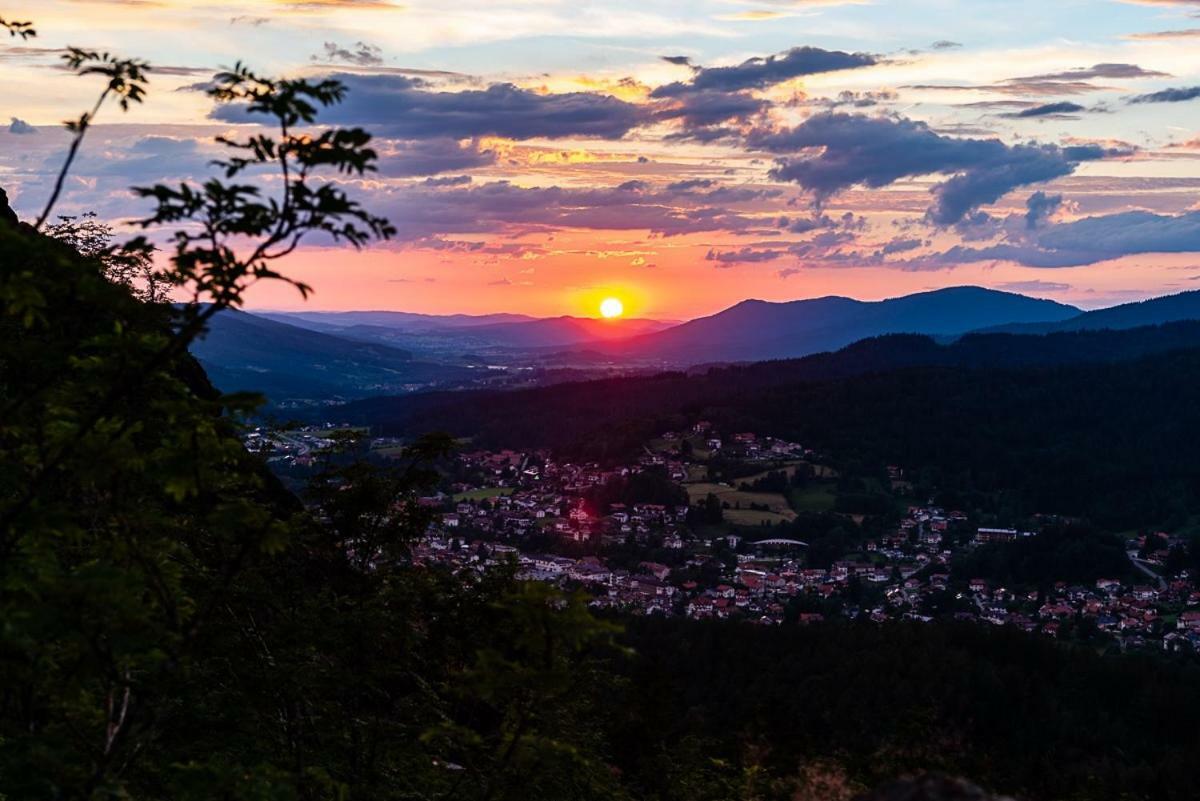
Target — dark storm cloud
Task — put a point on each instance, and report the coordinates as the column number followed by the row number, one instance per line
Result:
column 877, row 151
column 759, row 73
column 1169, row 96
column 404, row 108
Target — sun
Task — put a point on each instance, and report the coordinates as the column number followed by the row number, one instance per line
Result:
column 611, row 307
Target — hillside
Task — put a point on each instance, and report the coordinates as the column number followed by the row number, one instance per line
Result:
column 462, row 333
column 1155, row 311
column 245, row 352
column 395, row 320
column 1091, row 423
column 754, row 330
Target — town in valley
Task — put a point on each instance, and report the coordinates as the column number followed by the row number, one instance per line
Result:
column 710, row 524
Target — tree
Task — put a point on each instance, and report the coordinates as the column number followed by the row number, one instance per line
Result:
column 134, row 269
column 178, row 625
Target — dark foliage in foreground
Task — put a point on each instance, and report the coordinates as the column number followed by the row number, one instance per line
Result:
column 1021, row 714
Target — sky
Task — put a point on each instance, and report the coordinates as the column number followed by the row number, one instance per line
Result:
column 538, row 156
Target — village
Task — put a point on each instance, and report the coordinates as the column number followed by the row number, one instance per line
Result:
column 691, row 544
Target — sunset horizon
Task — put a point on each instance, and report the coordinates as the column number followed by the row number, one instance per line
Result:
column 684, row 159
column 599, row 400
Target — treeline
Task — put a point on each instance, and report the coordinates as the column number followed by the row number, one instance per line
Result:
column 1109, row 439
column 1071, row 553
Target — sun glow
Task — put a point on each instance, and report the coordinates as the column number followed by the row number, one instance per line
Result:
column 611, row 308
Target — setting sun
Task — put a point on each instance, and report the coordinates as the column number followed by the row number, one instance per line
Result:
column 611, row 307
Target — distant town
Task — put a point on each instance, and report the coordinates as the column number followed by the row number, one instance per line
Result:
column 715, row 551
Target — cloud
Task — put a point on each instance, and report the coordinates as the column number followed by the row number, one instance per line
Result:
column 1049, row 110
column 1086, row 241
column 1034, row 286
column 1041, row 207
column 679, row 61
column 454, row 180
column 19, row 126
column 945, row 44
column 432, row 156
column 857, row 99
column 1108, row 70
column 1187, row 33
column 149, row 158
column 361, row 54
column 325, row 5
column 1168, row 96
column 422, row 212
column 1034, row 89
column 402, row 107
column 702, row 112
column 854, row 150
column 901, row 245
column 746, row 255
column 1066, row 82
column 759, row 73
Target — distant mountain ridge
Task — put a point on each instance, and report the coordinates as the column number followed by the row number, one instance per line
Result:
column 756, row 330
column 245, row 352
column 405, row 321
column 620, row 412
column 469, row 332
column 1154, row 311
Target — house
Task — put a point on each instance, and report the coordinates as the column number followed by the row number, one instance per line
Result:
column 659, row 571
column 987, row 536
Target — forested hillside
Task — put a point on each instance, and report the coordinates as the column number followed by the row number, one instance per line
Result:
column 1076, row 423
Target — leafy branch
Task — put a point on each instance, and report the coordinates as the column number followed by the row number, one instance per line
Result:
column 218, row 216
column 22, row 29
column 126, row 82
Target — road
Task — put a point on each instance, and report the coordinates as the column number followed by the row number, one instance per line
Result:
column 1142, row 566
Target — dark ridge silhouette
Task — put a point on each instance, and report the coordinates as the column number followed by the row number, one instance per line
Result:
column 243, row 352
column 1155, row 311
column 755, row 329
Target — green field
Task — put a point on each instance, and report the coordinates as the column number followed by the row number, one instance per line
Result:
column 813, row 498
column 778, row 509
column 786, row 467
column 752, row 517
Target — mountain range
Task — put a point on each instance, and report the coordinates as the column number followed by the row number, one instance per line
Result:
column 246, row 352
column 755, row 330
column 324, row 355
column 1155, row 311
